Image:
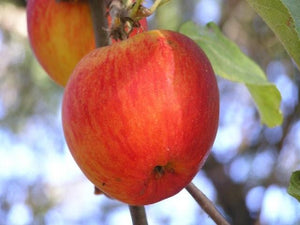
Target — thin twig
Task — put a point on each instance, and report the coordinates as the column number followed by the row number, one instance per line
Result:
column 115, row 8
column 206, row 204
column 138, row 215
column 136, row 6
column 100, row 25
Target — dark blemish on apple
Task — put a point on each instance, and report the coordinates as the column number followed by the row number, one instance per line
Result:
column 103, row 184
column 170, row 42
column 159, row 171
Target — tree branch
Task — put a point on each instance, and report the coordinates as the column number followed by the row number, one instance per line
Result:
column 100, row 25
column 206, row 204
column 138, row 215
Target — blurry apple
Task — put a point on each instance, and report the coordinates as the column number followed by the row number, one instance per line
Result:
column 140, row 116
column 60, row 34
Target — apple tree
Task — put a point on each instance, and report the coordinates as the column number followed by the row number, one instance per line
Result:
column 254, row 49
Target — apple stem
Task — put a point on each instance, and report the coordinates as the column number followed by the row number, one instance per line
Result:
column 206, row 204
column 136, row 7
column 100, row 24
column 156, row 4
column 138, row 215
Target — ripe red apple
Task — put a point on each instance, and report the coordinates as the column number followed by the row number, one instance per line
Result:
column 60, row 34
column 140, row 116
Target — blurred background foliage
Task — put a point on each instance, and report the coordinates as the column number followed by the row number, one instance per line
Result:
column 246, row 175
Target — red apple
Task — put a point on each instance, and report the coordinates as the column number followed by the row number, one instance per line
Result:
column 60, row 34
column 140, row 116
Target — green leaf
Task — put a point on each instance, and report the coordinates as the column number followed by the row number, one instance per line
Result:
column 283, row 17
column 230, row 63
column 294, row 8
column 294, row 187
column 267, row 99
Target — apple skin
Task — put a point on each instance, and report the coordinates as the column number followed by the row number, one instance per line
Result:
column 140, row 116
column 60, row 34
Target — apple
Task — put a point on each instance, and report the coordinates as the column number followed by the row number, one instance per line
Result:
column 141, row 115
column 60, row 34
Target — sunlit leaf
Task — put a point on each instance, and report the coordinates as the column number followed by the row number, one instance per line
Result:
column 283, row 17
column 268, row 99
column 231, row 63
column 294, row 187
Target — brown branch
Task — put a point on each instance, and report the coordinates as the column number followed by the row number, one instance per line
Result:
column 206, row 205
column 138, row 215
column 100, row 25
